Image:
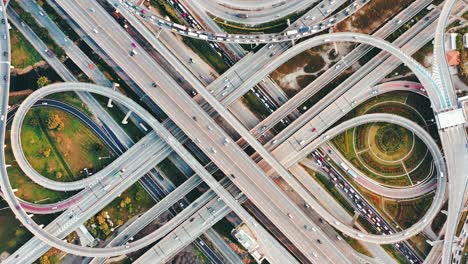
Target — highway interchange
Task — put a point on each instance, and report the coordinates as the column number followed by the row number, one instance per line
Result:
column 274, row 158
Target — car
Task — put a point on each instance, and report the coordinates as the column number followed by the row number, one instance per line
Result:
column 122, row 170
column 154, row 85
column 319, row 241
column 5, row 53
column 338, row 237
column 3, row 21
column 313, row 129
column 306, row 205
column 127, row 246
column 201, row 243
column 274, row 141
column 314, row 254
column 233, row 176
column 321, row 220
column 40, row 13
column 134, row 45
column 290, row 216
column 213, row 150
column 191, row 61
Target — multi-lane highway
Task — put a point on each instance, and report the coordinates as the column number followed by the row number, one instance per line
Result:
column 253, row 12
column 158, row 97
column 289, row 35
column 188, row 118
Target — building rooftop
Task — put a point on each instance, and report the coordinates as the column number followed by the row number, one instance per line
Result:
column 453, row 58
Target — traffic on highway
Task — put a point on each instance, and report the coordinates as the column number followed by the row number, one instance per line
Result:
column 224, row 150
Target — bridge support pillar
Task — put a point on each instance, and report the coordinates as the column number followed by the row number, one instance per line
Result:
column 125, row 120
column 114, row 87
column 355, row 218
column 434, row 243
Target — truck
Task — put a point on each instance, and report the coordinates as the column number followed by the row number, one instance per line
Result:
column 346, row 168
column 303, row 29
column 352, row 173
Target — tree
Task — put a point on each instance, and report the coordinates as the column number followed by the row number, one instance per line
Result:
column 43, row 33
column 97, row 147
column 33, row 122
column 45, row 260
column 42, row 81
column 54, row 121
column 46, row 152
column 139, row 195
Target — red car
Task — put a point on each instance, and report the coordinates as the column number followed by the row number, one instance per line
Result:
column 134, row 45
column 314, row 129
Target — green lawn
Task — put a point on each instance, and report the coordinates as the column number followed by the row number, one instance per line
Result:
column 356, row 245
column 22, row 52
column 12, row 236
column 132, row 130
column 72, row 149
column 72, row 99
column 255, row 105
column 172, row 172
column 119, row 211
column 370, row 162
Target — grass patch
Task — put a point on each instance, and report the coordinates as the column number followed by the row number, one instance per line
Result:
column 12, row 235
column 72, row 99
column 406, row 213
column 356, row 245
column 269, row 27
column 72, row 149
column 133, row 201
column 36, row 143
column 23, row 53
column 357, row 140
column 171, row 172
column 329, row 186
column 392, row 251
column 42, row 32
column 203, row 49
column 131, row 129
column 439, row 220
column 200, row 47
column 372, row 15
column 254, row 104
column 27, row 189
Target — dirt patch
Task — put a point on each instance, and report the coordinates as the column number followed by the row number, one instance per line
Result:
column 372, row 15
